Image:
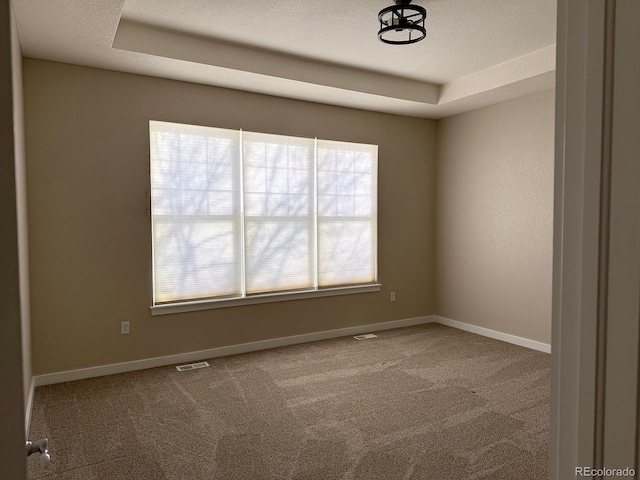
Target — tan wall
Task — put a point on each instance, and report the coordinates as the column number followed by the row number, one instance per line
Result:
column 12, row 374
column 494, row 217
column 90, row 245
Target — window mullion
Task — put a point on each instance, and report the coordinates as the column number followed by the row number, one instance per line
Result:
column 315, row 214
column 243, row 266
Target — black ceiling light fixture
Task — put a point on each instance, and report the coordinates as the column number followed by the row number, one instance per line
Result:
column 402, row 23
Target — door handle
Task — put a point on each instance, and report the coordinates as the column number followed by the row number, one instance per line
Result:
column 41, row 446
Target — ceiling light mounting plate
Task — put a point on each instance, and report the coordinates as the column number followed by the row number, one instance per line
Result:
column 402, row 23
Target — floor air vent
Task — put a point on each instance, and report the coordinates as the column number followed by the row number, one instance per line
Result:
column 191, row 366
column 366, row 336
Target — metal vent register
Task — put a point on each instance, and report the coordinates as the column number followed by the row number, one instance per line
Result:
column 191, row 366
column 365, row 336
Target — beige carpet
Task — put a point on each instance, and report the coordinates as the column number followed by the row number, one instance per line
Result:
column 424, row 402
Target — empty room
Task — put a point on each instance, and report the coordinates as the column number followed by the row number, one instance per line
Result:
column 318, row 240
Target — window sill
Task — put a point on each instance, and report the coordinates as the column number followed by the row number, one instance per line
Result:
column 194, row 306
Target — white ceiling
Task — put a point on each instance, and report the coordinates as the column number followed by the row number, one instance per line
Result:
column 475, row 53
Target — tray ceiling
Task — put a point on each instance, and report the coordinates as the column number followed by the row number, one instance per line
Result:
column 475, row 53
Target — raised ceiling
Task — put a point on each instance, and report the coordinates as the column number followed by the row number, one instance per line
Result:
column 475, row 53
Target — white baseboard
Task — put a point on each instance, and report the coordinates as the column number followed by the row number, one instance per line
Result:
column 29, row 407
column 111, row 369
column 103, row 370
column 485, row 332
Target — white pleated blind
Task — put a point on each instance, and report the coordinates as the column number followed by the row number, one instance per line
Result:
column 347, row 213
column 279, row 219
column 241, row 213
column 195, row 191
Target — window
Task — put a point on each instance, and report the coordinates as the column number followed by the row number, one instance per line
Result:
column 239, row 214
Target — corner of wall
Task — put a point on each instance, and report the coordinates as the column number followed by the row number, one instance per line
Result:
column 21, row 210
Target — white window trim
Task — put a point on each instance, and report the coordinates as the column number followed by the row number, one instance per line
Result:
column 213, row 303
column 177, row 306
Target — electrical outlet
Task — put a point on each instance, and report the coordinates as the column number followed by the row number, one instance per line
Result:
column 393, row 296
column 124, row 328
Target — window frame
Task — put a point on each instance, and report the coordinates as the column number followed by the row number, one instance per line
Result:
column 316, row 291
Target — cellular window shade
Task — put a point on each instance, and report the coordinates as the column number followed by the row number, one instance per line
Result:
column 196, row 217
column 279, row 221
column 240, row 213
column 347, row 213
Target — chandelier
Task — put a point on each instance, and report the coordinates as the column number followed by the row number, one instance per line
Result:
column 402, row 23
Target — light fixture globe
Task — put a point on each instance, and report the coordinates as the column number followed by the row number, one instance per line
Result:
column 402, row 23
